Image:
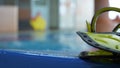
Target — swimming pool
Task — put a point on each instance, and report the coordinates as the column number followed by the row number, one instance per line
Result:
column 43, row 50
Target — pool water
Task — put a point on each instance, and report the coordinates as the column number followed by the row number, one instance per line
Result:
column 47, row 43
column 45, row 50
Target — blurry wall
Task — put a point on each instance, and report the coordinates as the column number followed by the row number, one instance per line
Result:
column 24, row 14
column 74, row 13
column 67, row 15
column 59, row 14
column 54, row 15
column 114, row 3
column 85, row 11
column 8, row 19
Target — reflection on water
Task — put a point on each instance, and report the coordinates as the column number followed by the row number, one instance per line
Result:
column 56, row 43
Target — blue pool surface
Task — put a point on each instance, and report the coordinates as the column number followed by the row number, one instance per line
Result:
column 44, row 50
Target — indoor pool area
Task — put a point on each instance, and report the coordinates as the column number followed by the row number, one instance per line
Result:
column 59, row 34
column 49, row 50
column 56, row 43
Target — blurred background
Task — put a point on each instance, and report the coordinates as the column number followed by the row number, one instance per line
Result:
column 17, row 15
column 24, row 15
column 56, row 22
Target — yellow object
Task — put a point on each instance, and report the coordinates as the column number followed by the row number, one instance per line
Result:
column 38, row 23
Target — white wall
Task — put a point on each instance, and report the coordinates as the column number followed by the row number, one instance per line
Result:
column 114, row 3
column 74, row 15
column 85, row 11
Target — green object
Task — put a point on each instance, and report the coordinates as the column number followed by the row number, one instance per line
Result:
column 107, row 40
column 108, row 43
column 88, row 26
column 94, row 19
